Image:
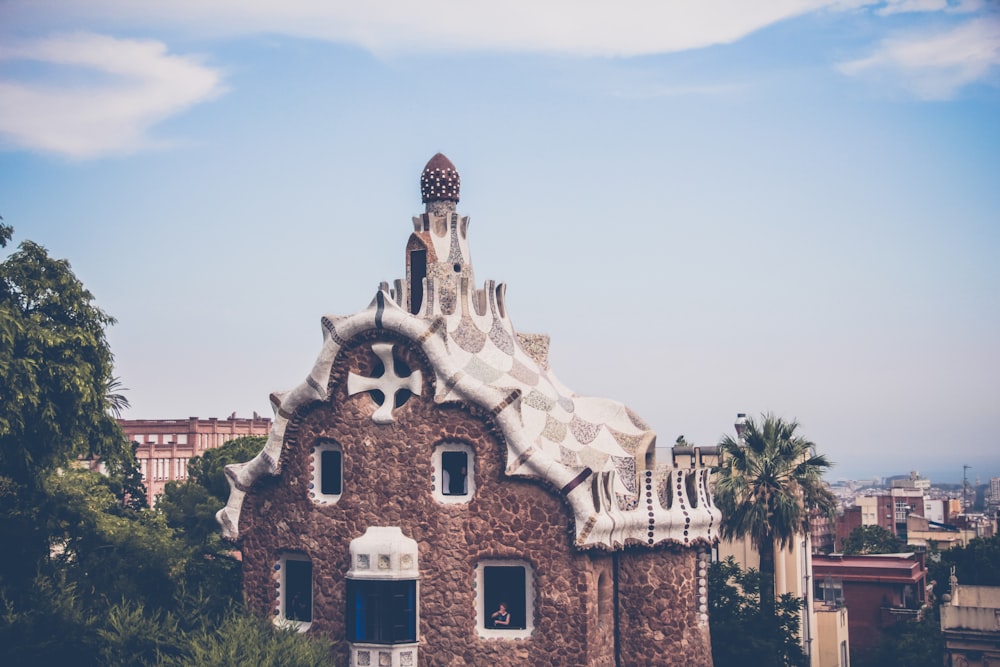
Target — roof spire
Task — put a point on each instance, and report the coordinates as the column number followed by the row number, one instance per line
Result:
column 439, row 182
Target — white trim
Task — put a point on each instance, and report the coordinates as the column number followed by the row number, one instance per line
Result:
column 529, row 601
column 280, row 617
column 316, row 484
column 438, row 478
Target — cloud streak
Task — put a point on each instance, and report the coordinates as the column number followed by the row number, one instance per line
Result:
column 573, row 27
column 140, row 84
column 934, row 66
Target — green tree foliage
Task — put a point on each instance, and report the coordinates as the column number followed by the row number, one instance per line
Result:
column 55, row 367
column 766, row 486
column 871, row 540
column 190, row 507
column 742, row 634
column 976, row 564
column 906, row 644
column 247, row 640
column 90, row 576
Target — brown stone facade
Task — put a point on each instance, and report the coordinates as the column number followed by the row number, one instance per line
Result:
column 594, row 608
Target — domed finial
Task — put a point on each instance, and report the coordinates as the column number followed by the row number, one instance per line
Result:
column 439, row 181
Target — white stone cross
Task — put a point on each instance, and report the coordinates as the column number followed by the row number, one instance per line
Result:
column 388, row 383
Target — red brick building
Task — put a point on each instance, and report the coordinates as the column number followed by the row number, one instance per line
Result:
column 166, row 445
column 433, row 495
column 878, row 590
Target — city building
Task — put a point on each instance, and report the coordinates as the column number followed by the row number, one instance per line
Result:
column 970, row 623
column 433, row 495
column 879, row 590
column 166, row 445
column 890, row 510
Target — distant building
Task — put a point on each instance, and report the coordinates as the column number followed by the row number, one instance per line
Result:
column 914, row 481
column 890, row 510
column 878, row 590
column 970, row 622
column 166, row 445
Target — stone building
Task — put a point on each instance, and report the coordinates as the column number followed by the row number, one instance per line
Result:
column 431, row 494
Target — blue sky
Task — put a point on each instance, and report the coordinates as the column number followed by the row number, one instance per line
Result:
column 711, row 207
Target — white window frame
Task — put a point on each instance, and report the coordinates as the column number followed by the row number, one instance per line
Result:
column 529, row 601
column 281, row 617
column 438, row 478
column 316, row 485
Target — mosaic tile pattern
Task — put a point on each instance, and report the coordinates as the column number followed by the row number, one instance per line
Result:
column 477, row 356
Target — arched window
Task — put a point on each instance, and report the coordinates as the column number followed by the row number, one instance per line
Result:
column 327, row 472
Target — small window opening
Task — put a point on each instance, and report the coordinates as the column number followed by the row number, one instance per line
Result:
column 454, row 473
column 454, row 465
column 330, row 477
column 327, row 482
column 418, row 271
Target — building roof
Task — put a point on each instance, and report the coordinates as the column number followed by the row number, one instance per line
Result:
column 904, row 568
column 594, row 451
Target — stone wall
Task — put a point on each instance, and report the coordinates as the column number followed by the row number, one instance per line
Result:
column 387, row 473
column 660, row 623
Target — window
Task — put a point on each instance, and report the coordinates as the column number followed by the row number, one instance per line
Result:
column 295, row 591
column 328, row 472
column 505, row 595
column 382, row 611
column 829, row 591
column 454, row 472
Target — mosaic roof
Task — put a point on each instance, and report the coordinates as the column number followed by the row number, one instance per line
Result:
column 595, row 451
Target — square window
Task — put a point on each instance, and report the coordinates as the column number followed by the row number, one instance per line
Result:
column 505, row 594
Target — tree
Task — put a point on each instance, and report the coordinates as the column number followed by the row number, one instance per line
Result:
column 55, row 368
column 741, row 634
column 88, row 574
column 871, row 540
column 976, row 564
column 767, row 483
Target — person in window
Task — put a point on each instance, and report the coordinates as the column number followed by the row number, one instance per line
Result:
column 501, row 617
column 457, row 484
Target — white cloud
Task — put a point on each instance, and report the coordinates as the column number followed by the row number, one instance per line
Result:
column 935, row 66
column 910, row 6
column 577, row 27
column 141, row 85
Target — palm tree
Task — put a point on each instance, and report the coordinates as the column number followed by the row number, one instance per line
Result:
column 768, row 483
column 113, row 398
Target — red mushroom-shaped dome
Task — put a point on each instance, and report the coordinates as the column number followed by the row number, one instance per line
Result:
column 439, row 181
